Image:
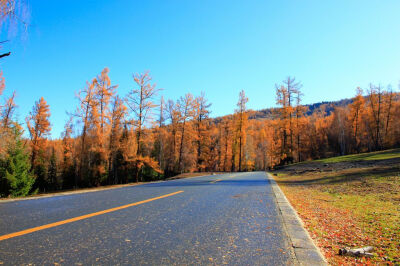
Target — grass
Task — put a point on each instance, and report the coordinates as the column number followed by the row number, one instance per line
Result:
column 379, row 155
column 352, row 206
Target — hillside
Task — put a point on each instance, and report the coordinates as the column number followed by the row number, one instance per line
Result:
column 320, row 107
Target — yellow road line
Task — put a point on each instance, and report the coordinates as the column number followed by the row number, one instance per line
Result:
column 46, row 226
column 215, row 181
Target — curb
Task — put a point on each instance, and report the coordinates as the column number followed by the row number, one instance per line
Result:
column 304, row 248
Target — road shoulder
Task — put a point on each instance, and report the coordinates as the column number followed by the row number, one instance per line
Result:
column 101, row 188
column 305, row 250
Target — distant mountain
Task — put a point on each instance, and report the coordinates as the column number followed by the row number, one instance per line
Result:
column 325, row 108
column 321, row 107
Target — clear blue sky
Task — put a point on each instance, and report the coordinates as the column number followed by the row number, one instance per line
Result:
column 219, row 46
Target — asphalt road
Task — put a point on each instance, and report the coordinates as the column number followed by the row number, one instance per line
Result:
column 222, row 219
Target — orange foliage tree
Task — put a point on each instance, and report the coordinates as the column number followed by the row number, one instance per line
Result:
column 39, row 129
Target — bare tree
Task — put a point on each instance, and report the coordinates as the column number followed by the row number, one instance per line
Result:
column 13, row 14
column 141, row 102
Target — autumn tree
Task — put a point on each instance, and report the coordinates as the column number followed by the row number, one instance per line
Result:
column 52, row 171
column 8, row 110
column 225, row 127
column 286, row 98
column 140, row 100
column 388, row 109
column 356, row 115
column 201, row 114
column 83, row 113
column 118, row 113
column 39, row 129
column 240, row 126
column 375, row 115
column 100, row 118
column 185, row 107
column 6, row 119
column 68, row 161
column 173, row 116
column 300, row 122
column 161, row 133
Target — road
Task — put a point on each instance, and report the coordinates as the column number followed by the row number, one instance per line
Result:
column 213, row 220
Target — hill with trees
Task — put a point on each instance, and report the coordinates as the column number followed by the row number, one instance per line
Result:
column 114, row 139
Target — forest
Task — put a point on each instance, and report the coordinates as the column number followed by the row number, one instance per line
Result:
column 117, row 139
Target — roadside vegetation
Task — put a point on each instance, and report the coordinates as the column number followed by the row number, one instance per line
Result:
column 117, row 139
column 349, row 201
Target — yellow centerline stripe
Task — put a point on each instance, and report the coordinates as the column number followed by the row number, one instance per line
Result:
column 215, row 181
column 86, row 216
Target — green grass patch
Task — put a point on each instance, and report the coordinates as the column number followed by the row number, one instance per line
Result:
column 370, row 156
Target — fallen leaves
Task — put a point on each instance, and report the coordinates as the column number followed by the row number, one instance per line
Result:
column 350, row 214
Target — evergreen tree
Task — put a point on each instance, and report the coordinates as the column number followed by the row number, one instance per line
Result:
column 17, row 171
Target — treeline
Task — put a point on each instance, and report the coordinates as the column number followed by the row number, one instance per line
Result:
column 112, row 139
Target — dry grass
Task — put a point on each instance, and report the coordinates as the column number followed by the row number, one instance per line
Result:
column 351, row 203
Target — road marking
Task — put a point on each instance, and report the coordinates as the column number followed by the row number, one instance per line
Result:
column 86, row 216
column 215, row 181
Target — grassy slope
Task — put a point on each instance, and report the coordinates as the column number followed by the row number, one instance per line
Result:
column 349, row 201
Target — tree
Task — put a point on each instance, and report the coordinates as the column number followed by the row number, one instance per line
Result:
column 17, row 170
column 388, row 108
column 285, row 97
column 83, row 112
column 68, row 162
column 201, row 114
column 39, row 128
column 104, row 92
column 161, row 133
column 6, row 116
column 52, row 171
column 241, row 123
column 173, row 116
column 375, row 115
column 13, row 13
column 118, row 112
column 99, row 130
column 356, row 113
column 8, row 111
column 225, row 142
column 185, row 106
column 140, row 101
column 300, row 121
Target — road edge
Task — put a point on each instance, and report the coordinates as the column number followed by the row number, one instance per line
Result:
column 306, row 252
column 89, row 190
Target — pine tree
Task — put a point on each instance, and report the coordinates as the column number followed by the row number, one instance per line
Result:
column 17, row 172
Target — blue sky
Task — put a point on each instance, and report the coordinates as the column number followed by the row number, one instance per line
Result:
column 219, row 47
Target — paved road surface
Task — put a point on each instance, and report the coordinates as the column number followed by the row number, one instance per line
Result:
column 222, row 219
